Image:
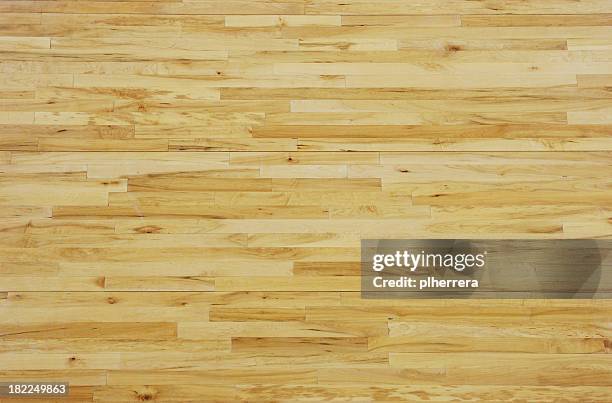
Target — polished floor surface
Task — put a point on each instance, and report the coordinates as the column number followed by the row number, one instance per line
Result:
column 184, row 186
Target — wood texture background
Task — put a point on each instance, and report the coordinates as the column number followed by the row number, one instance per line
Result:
column 184, row 184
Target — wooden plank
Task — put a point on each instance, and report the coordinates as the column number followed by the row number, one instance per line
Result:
column 167, row 393
column 422, row 391
column 155, row 7
column 577, row 371
column 535, row 20
column 201, row 212
column 483, row 132
column 335, row 328
column 358, row 7
column 453, row 145
column 212, row 377
column 243, row 21
column 76, row 377
column 84, row 330
column 508, row 344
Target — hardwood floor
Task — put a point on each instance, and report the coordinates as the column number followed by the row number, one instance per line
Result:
column 184, row 186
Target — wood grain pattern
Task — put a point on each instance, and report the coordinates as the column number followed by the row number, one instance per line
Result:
column 184, row 185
